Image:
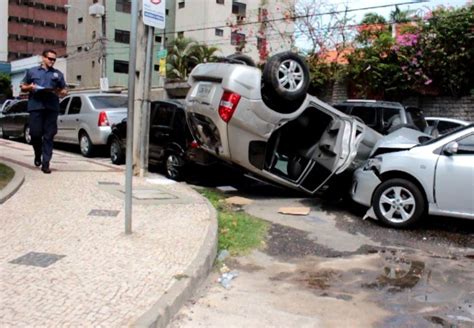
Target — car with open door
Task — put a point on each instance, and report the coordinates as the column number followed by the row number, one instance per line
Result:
column 400, row 185
column 265, row 122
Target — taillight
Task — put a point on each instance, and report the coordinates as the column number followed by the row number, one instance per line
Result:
column 228, row 104
column 194, row 144
column 103, row 120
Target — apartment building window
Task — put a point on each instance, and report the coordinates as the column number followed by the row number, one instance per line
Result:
column 79, row 78
column 239, row 8
column 120, row 66
column 221, row 2
column 79, row 49
column 180, row 34
column 237, row 38
column 80, row 20
column 219, row 32
column 122, row 36
column 181, row 4
column 123, row 6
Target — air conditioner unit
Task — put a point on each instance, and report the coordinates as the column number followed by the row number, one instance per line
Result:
column 97, row 10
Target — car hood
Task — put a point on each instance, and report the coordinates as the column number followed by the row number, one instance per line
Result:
column 401, row 139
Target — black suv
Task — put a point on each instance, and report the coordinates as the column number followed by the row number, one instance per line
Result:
column 14, row 121
column 170, row 141
column 385, row 116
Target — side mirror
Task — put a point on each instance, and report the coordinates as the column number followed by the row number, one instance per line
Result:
column 451, row 148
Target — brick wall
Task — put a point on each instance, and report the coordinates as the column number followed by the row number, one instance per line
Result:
column 460, row 108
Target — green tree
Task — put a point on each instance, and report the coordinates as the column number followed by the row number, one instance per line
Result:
column 5, row 86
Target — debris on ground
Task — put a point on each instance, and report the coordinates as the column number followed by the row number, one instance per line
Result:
column 298, row 210
column 237, row 200
column 223, row 254
column 226, row 189
column 225, row 278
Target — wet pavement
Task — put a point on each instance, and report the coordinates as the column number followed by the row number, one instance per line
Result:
column 332, row 269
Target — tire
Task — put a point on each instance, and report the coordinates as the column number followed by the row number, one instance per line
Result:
column 398, row 203
column 286, row 77
column 174, row 166
column 85, row 144
column 241, row 59
column 117, row 155
column 27, row 135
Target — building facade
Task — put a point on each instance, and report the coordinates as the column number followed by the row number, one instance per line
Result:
column 99, row 45
column 257, row 28
column 3, row 31
column 34, row 26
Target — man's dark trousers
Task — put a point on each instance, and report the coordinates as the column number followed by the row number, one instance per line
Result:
column 43, row 128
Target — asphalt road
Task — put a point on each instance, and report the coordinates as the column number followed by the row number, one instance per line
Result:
column 331, row 269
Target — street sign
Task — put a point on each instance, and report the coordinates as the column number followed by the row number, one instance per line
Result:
column 154, row 13
column 162, row 53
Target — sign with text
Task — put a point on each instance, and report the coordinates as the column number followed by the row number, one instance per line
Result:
column 162, row 53
column 154, row 13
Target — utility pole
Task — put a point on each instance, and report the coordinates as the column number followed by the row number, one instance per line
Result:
column 139, row 92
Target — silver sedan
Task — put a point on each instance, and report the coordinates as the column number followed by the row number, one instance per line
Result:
column 86, row 119
column 435, row 177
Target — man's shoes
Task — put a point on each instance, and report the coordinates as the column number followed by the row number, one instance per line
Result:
column 37, row 161
column 46, row 169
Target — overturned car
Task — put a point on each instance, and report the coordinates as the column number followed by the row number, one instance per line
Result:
column 266, row 123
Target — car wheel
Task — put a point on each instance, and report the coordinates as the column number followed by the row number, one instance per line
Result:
column 240, row 58
column 174, row 167
column 27, row 134
column 116, row 153
column 85, row 144
column 398, row 203
column 286, row 75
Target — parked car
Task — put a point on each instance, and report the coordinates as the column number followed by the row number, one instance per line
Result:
column 170, row 141
column 86, row 119
column 434, row 177
column 444, row 124
column 385, row 116
column 266, row 123
column 15, row 120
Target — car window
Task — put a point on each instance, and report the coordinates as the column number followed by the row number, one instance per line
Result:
column 63, row 106
column 162, row 114
column 367, row 114
column 445, row 127
column 466, row 145
column 109, row 102
column 75, row 106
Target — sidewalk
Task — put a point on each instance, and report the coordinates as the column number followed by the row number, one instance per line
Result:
column 64, row 256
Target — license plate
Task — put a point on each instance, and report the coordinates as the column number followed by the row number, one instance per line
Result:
column 204, row 90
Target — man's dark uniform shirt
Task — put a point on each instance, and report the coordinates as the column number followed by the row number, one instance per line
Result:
column 50, row 79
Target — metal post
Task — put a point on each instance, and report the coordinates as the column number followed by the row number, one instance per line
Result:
column 145, row 118
column 132, row 63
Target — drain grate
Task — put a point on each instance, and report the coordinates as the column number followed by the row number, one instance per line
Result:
column 99, row 212
column 42, row 260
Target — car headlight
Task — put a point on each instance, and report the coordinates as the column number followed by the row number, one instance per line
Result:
column 373, row 164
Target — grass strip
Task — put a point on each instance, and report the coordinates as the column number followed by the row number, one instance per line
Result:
column 6, row 175
column 238, row 231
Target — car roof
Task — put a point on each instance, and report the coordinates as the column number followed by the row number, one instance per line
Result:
column 371, row 103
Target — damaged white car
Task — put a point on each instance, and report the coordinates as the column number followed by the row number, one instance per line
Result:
column 266, row 123
column 402, row 181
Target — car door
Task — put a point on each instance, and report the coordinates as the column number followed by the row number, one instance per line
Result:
column 62, row 131
column 161, row 122
column 20, row 118
column 7, row 119
column 454, row 179
column 70, row 121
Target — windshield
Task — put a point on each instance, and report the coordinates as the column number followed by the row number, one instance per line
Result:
column 431, row 141
column 109, row 102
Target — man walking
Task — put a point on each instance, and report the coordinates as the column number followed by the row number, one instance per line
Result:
column 44, row 84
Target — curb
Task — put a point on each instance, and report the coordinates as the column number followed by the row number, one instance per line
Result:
column 12, row 187
column 173, row 299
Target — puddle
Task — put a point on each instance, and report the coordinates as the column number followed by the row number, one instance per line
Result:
column 317, row 280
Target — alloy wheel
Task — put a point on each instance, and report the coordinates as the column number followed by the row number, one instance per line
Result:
column 290, row 75
column 397, row 204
